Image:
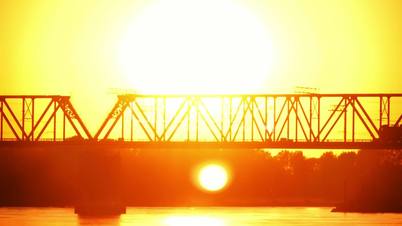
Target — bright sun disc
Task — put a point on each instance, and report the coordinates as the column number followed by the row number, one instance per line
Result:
column 188, row 46
column 213, row 177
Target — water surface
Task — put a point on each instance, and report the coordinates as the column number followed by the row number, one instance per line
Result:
column 278, row 216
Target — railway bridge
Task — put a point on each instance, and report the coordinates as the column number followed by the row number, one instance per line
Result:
column 51, row 124
column 300, row 121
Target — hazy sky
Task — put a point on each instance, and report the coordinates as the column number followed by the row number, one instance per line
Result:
column 74, row 47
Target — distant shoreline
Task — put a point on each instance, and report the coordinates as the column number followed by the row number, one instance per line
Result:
column 364, row 210
column 333, row 209
column 367, row 181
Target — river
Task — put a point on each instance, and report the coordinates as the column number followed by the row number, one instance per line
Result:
column 257, row 216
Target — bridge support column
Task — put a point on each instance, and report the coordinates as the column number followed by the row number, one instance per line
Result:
column 100, row 183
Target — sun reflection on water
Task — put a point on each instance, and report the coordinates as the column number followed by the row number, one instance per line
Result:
column 193, row 221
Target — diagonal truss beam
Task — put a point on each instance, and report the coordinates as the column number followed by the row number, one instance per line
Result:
column 246, row 118
column 38, row 109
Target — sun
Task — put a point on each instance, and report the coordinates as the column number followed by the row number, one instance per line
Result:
column 213, row 177
column 188, row 46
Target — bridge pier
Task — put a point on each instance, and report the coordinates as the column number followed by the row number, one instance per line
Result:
column 100, row 187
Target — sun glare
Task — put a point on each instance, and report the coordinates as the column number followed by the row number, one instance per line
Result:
column 185, row 46
column 193, row 221
column 213, row 177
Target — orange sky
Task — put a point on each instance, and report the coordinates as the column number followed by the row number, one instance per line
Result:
column 71, row 47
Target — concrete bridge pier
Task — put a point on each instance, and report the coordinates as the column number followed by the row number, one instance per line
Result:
column 100, row 182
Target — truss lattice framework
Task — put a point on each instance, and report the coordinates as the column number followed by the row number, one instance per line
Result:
column 262, row 118
column 28, row 117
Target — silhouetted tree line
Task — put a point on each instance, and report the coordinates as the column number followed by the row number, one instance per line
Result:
column 369, row 180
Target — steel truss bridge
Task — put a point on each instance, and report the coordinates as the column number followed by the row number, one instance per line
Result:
column 305, row 121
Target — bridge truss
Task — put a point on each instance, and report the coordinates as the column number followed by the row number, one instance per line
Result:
column 233, row 121
column 345, row 120
column 28, row 118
